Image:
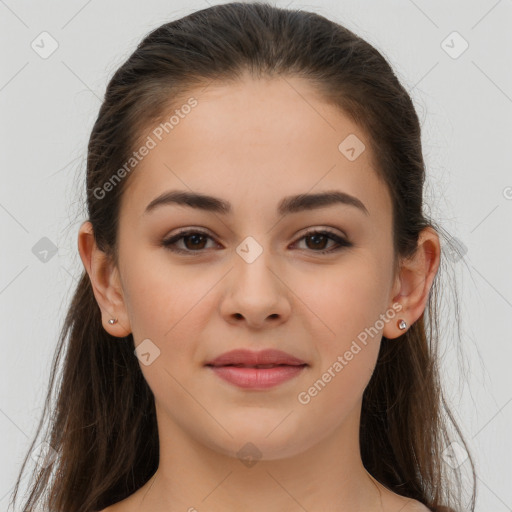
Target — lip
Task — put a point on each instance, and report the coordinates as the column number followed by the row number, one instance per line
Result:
column 238, row 368
column 257, row 378
column 246, row 357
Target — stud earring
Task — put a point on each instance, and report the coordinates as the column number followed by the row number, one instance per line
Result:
column 112, row 321
column 402, row 324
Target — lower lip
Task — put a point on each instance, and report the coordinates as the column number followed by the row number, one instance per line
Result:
column 256, row 378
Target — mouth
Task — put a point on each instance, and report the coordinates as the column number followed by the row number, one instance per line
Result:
column 241, row 365
column 256, row 377
column 248, row 369
column 248, row 358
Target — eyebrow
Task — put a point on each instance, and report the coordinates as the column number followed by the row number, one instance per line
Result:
column 288, row 205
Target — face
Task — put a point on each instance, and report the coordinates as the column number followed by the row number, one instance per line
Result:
column 257, row 276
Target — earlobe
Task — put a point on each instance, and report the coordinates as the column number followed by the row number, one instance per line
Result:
column 402, row 324
column 396, row 327
column 414, row 282
column 104, row 282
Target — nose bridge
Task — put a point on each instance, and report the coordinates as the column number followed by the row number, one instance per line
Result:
column 253, row 265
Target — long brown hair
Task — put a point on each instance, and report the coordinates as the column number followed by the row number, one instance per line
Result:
column 102, row 423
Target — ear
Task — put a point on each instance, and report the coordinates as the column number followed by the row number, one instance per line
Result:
column 413, row 282
column 106, row 285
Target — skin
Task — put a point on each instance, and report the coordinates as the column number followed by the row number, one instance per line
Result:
column 253, row 143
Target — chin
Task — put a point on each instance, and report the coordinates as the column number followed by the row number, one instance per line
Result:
column 251, row 444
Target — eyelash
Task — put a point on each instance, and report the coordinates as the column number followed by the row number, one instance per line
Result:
column 168, row 243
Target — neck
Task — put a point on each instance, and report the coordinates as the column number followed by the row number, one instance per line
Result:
column 192, row 476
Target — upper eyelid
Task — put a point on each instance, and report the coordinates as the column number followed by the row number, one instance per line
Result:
column 177, row 237
column 307, row 231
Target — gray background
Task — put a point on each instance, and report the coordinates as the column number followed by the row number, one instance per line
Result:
column 48, row 106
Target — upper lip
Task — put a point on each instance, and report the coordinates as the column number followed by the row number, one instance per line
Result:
column 246, row 357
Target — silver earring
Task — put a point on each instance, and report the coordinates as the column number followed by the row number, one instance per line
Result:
column 112, row 321
column 402, row 324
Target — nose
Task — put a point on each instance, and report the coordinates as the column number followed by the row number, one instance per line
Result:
column 256, row 292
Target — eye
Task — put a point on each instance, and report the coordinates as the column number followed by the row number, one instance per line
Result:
column 194, row 241
column 318, row 237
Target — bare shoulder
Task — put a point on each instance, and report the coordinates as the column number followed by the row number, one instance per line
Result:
column 414, row 506
column 128, row 504
column 120, row 506
column 410, row 506
column 397, row 503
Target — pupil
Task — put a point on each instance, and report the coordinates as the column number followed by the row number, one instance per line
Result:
column 315, row 239
column 193, row 237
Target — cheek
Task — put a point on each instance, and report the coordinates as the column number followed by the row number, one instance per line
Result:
column 345, row 298
column 169, row 306
column 162, row 298
column 344, row 307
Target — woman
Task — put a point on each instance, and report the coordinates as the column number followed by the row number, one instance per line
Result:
column 249, row 330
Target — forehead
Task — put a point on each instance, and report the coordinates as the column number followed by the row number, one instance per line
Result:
column 256, row 140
